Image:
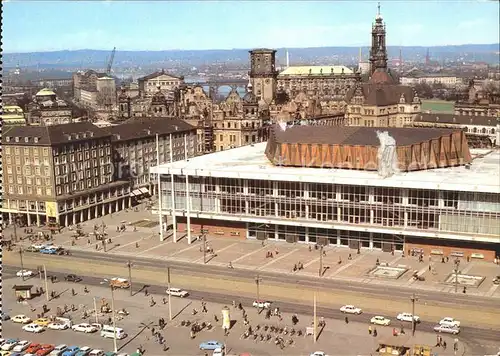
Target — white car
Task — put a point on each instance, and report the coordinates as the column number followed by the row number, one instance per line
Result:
column 447, row 329
column 96, row 352
column 450, row 322
column 22, row 319
column 84, row 328
column 24, row 273
column 318, row 353
column 262, row 304
column 84, row 350
column 9, row 344
column 21, row 346
column 58, row 326
column 218, row 352
column 33, row 328
column 39, row 246
column 380, row 320
column 350, row 309
column 176, row 292
column 58, row 350
column 408, row 317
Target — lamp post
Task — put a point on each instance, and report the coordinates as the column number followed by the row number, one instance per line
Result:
column 257, row 283
column 321, row 260
column 22, row 264
column 103, row 226
column 457, row 264
column 413, row 299
column 112, row 312
column 130, row 265
column 169, row 295
column 204, row 248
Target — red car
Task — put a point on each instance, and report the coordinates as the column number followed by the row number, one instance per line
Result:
column 45, row 350
column 34, row 347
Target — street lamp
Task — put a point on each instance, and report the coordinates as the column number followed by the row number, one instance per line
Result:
column 22, row 264
column 204, row 248
column 257, row 282
column 130, row 265
column 112, row 311
column 457, row 264
column 321, row 260
column 413, row 299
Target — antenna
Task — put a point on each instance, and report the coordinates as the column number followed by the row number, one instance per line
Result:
column 378, row 9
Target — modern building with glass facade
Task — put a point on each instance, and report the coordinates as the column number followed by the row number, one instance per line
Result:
column 239, row 193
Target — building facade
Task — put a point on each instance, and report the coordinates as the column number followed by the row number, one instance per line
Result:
column 239, row 194
column 263, row 74
column 135, row 149
column 47, row 109
column 149, row 84
column 59, row 174
column 448, row 81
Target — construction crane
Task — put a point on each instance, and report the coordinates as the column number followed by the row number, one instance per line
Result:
column 110, row 63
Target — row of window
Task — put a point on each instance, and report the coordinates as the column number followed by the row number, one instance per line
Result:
column 81, row 146
column 29, row 190
column 29, row 160
column 37, row 171
column 29, row 181
column 26, row 150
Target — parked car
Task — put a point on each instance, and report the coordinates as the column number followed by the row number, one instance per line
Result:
column 21, row 346
column 34, row 347
column 350, row 309
column 85, row 328
column 33, row 328
column 58, row 350
column 42, row 321
column 9, row 344
column 31, row 249
column 176, row 292
column 72, row 278
column 496, row 280
column 84, row 351
column 318, row 353
column 211, row 345
column 51, row 251
column 4, row 316
column 24, row 273
column 380, row 320
column 447, row 329
column 20, row 318
column 71, row 351
column 45, row 350
column 96, row 352
column 262, row 304
column 450, row 322
column 219, row 352
column 57, row 325
column 408, row 317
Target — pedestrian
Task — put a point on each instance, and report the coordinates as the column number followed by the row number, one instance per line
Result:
column 346, row 319
column 444, row 344
column 369, row 329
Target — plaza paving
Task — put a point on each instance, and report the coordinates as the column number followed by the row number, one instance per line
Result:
column 339, row 262
column 336, row 339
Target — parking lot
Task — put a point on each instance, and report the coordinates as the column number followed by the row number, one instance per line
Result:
column 336, row 338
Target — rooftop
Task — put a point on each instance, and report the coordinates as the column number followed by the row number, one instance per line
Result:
column 457, row 119
column 250, row 162
column 315, row 70
column 45, row 92
column 139, row 128
column 356, row 136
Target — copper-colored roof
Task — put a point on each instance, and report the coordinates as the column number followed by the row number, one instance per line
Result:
column 355, row 136
column 381, row 77
column 381, row 94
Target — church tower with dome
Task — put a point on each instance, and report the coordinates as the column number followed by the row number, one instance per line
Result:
column 378, row 51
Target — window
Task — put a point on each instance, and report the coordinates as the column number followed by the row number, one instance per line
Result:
column 29, row 181
column 48, row 191
column 45, row 151
column 26, row 151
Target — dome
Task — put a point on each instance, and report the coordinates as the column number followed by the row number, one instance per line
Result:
column 250, row 98
column 45, row 92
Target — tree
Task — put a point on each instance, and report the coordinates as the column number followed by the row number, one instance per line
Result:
column 424, row 90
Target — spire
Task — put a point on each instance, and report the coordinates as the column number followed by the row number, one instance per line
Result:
column 378, row 9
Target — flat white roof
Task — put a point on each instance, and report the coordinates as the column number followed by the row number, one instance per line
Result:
column 250, row 162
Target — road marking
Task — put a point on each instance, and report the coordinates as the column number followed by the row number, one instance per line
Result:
column 310, row 263
column 217, row 252
column 130, row 243
column 347, row 265
column 467, row 268
column 492, row 290
column 395, row 260
column 184, row 249
column 279, row 258
column 251, row 253
column 161, row 243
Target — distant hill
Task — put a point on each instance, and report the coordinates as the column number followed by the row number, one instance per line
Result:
column 172, row 58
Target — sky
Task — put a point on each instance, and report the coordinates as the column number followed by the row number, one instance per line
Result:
column 162, row 25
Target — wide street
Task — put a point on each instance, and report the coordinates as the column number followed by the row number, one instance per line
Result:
column 338, row 338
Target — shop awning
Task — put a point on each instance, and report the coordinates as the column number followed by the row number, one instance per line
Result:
column 144, row 190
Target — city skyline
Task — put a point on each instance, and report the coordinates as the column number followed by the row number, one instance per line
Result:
column 174, row 25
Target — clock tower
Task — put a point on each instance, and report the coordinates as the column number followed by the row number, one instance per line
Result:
column 378, row 51
column 263, row 74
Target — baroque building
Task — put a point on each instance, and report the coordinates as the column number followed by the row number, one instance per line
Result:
column 381, row 102
column 47, row 109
